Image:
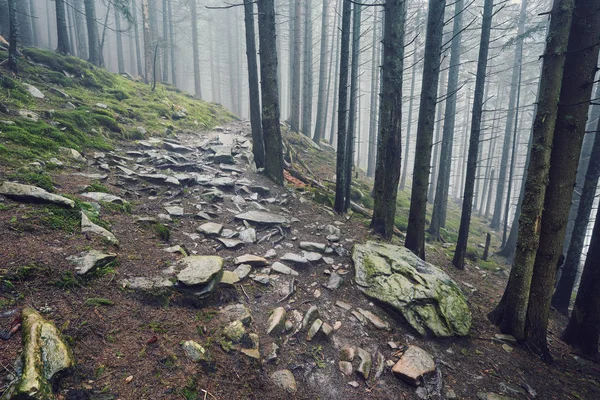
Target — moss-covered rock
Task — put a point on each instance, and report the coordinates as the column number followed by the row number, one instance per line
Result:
column 45, row 358
column 427, row 297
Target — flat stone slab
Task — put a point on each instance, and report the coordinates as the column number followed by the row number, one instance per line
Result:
column 294, row 258
column 262, row 217
column 426, row 296
column 252, row 260
column 175, row 211
column 199, row 270
column 414, row 363
column 35, row 92
column 283, row 269
column 18, row 191
column 104, row 197
column 91, row 260
column 210, row 229
column 231, row 243
column 284, row 379
column 312, row 246
column 89, row 226
column 177, row 148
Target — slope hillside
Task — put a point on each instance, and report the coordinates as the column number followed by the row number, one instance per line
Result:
column 174, row 269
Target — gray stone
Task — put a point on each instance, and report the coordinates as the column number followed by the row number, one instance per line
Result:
column 141, row 130
column 259, row 189
column 222, row 182
column 45, row 357
column 223, row 155
column 71, row 153
column 314, row 329
column 326, row 329
column 263, row 217
column 177, row 148
column 252, row 352
column 59, row 92
column 145, row 283
column 284, row 379
column 425, row 295
column 91, row 260
column 89, row 226
column 199, row 270
column 335, row 281
column 175, row 211
column 271, row 253
column 210, row 229
column 101, row 105
column 212, row 195
column 30, row 115
column 344, row 305
column 176, row 249
column 492, row 396
column 414, row 363
column 69, row 106
column 312, row 246
column 283, row 269
column 375, row 320
column 35, row 92
column 229, row 278
column 235, row 331
column 194, row 351
column 347, row 353
column 231, row 243
column 98, row 177
column 242, row 270
column 333, row 238
column 332, row 230
column 248, row 235
column 276, row 321
column 272, row 354
column 104, row 197
column 237, row 312
column 312, row 256
column 364, row 368
column 311, row 315
column 34, row 194
column 252, row 260
column 262, row 278
column 346, row 367
column 294, row 258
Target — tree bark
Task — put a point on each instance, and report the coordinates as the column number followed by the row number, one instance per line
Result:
column 196, row 50
column 352, row 112
column 389, row 146
column 415, row 232
column 24, row 22
column 172, row 44
column 258, row 146
column 321, row 108
column 166, row 43
column 14, row 35
column 465, row 218
column 583, row 329
column 61, row 28
column 295, row 73
column 138, row 52
column 82, row 47
column 92, row 29
column 336, row 74
column 580, row 68
column 510, row 313
column 374, row 100
column 497, row 216
column 32, row 14
column 411, row 101
column 307, row 77
column 340, row 185
column 120, row 61
column 270, row 92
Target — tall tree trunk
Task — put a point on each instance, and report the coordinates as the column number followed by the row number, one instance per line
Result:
column 155, row 37
column 120, row 61
column 82, row 47
column 166, row 42
column 583, row 329
column 258, row 146
column 435, row 163
column 307, row 77
column 138, row 52
column 336, row 74
column 195, row 50
column 411, row 102
column 295, row 73
column 270, row 93
column 415, row 232
column 14, row 35
column 580, row 68
column 340, row 179
column 497, row 216
column 562, row 295
column 92, row 30
column 70, row 27
column 389, row 146
column 33, row 17
column 320, row 122
column 352, row 112
column 512, row 159
column 172, row 44
column 332, row 72
column 374, row 97
column 24, row 22
column 61, row 28
column 465, row 218
column 148, row 38
column 510, row 313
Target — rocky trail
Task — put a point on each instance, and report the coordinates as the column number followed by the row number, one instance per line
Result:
column 192, row 276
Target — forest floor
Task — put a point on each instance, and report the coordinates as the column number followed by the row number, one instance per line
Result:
column 130, row 347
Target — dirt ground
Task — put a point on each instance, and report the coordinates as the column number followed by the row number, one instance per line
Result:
column 132, row 349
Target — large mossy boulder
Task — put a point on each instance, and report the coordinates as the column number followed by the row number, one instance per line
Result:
column 425, row 295
column 45, row 358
